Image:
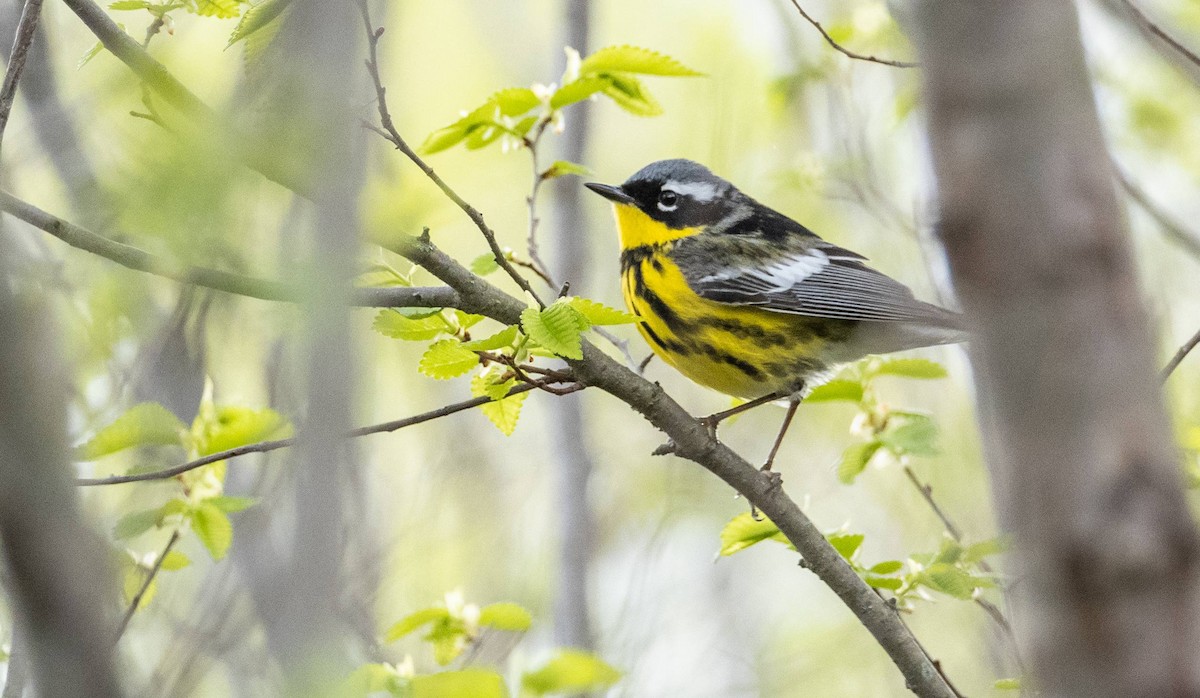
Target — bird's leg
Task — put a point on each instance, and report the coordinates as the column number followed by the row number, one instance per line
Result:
column 787, row 422
column 711, row 421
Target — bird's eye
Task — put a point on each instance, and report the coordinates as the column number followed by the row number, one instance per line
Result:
column 668, row 200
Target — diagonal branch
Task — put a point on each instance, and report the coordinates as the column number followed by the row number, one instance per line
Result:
column 150, row 575
column 1149, row 25
column 1171, row 227
column 393, row 136
column 16, row 59
column 265, row 289
column 845, row 51
column 1180, row 355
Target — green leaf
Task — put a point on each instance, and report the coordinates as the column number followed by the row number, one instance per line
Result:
column 257, row 17
column 92, row 53
column 129, row 5
column 174, row 560
column 483, row 135
column 1007, row 684
column 633, row 59
column 136, row 523
column 889, row 583
column 886, row 567
column 948, row 579
column 392, row 323
column 561, row 168
column 570, row 671
column 369, row 679
column 449, row 638
column 631, row 95
column 522, row 127
column 468, row 683
column 142, row 425
column 133, row 577
column 213, row 529
column 836, row 390
column 444, row 138
column 505, row 412
column 413, row 621
column 915, row 435
column 223, row 9
column 506, row 616
column 743, row 531
column 237, row 426
column 232, row 505
column 484, row 264
column 578, row 91
column 501, row 340
column 558, row 328
column 600, row 314
column 911, row 368
column 854, row 460
column 515, row 101
column 847, row 544
column 977, row 551
column 447, row 358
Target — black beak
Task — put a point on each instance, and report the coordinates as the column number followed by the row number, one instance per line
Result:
column 614, row 194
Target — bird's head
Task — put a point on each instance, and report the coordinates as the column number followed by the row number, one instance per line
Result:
column 667, row 200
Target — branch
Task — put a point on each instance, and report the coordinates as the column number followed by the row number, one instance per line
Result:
column 1158, row 31
column 251, row 287
column 137, row 599
column 1184, row 350
column 268, row 446
column 159, row 79
column 845, row 51
column 16, row 59
column 1172, row 227
column 392, row 135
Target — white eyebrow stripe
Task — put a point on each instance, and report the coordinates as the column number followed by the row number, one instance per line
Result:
column 700, row 191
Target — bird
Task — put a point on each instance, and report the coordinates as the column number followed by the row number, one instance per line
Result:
column 747, row 301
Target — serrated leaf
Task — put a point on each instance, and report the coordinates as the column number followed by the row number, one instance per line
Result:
column 467, row 683
column 914, row 435
column 577, row 91
column 174, row 561
column 855, row 459
column 498, row 391
column 559, row 328
column 484, row 264
column 889, row 583
column 911, row 368
column 743, row 531
column 256, row 17
column 232, row 505
column 447, row 358
column 631, row 95
column 847, row 544
column 886, row 567
column 561, row 168
column 466, row 320
column 515, row 101
column 413, row 621
column 836, row 390
column 501, row 340
column 136, row 523
column 234, row 426
column 506, row 616
column 223, row 9
column 503, row 413
column 144, row 424
column 391, row 323
column 634, row 59
column 571, row 671
column 599, row 314
column 213, row 529
column 948, row 579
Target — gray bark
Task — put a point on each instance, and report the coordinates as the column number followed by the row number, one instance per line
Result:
column 1076, row 435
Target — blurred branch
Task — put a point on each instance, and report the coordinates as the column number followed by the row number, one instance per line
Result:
column 695, row 442
column 1172, row 227
column 1184, row 350
column 1167, row 48
column 150, row 575
column 264, row 289
column 845, row 51
column 268, row 446
column 1149, row 25
column 16, row 60
column 159, row 79
column 392, row 135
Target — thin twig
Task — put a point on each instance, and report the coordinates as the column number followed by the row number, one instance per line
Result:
column 845, row 51
column 1173, row 229
column 153, row 29
column 137, row 599
column 539, row 177
column 26, row 29
column 265, row 289
column 1158, row 31
column 390, row 132
column 927, row 493
column 1184, row 350
column 268, row 446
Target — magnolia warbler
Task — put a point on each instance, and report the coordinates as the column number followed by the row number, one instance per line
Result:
column 742, row 299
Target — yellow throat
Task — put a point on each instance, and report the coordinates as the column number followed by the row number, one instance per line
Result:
column 637, row 229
